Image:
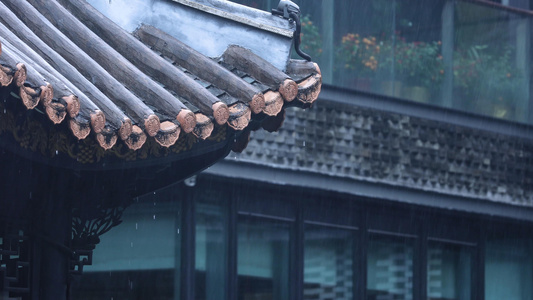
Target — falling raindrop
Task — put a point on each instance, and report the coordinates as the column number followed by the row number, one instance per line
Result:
column 136, row 226
column 178, row 231
column 131, row 244
column 57, row 152
column 154, row 217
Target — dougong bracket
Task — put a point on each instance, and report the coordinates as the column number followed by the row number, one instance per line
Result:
column 87, row 227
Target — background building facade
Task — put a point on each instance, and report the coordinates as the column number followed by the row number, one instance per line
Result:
column 409, row 179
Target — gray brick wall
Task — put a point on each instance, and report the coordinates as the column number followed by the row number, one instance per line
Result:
column 377, row 146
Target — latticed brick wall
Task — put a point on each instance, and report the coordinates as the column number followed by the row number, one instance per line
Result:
column 378, row 146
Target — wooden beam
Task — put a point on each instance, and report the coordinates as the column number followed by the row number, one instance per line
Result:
column 309, row 78
column 106, row 138
column 204, row 126
column 50, row 86
column 168, row 134
column 118, row 67
column 240, row 116
column 126, row 130
column 260, row 69
column 56, row 112
column 136, row 139
column 299, row 69
column 40, row 30
column 274, row 103
column 32, row 44
column 6, row 75
column 135, row 51
column 31, row 84
column 201, row 66
column 309, row 89
column 80, row 127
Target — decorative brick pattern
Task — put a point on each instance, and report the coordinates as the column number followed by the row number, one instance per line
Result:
column 377, row 146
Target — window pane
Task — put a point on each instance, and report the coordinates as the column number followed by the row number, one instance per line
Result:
column 449, row 272
column 211, row 246
column 138, row 259
column 389, row 268
column 263, row 259
column 491, row 61
column 328, row 259
column 508, row 269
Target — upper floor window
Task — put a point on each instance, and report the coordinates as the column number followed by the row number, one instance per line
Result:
column 464, row 55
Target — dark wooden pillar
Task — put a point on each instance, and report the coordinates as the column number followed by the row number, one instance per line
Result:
column 51, row 233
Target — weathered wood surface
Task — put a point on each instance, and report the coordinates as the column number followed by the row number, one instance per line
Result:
column 273, row 103
column 33, row 86
column 309, row 79
column 260, row 69
column 299, row 69
column 6, row 75
column 136, row 139
column 309, row 89
column 168, row 135
column 117, row 66
column 240, row 116
column 41, row 53
column 107, row 138
column 145, row 59
column 87, row 66
column 51, row 87
column 200, row 65
column 56, row 112
column 77, row 102
column 204, row 126
column 208, row 33
column 80, row 127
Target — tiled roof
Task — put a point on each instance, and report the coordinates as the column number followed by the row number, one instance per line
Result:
column 66, row 59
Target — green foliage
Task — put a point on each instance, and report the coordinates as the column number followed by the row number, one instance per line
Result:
column 489, row 76
column 310, row 37
column 359, row 53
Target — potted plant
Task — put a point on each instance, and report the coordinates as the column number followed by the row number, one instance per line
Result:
column 359, row 57
column 311, row 39
column 420, row 66
column 499, row 85
column 488, row 82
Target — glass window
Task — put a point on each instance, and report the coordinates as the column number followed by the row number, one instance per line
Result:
column 328, row 263
column 390, row 267
column 457, row 54
column 138, row 259
column 262, row 259
column 508, row 268
column 449, row 272
column 211, row 245
column 491, row 61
